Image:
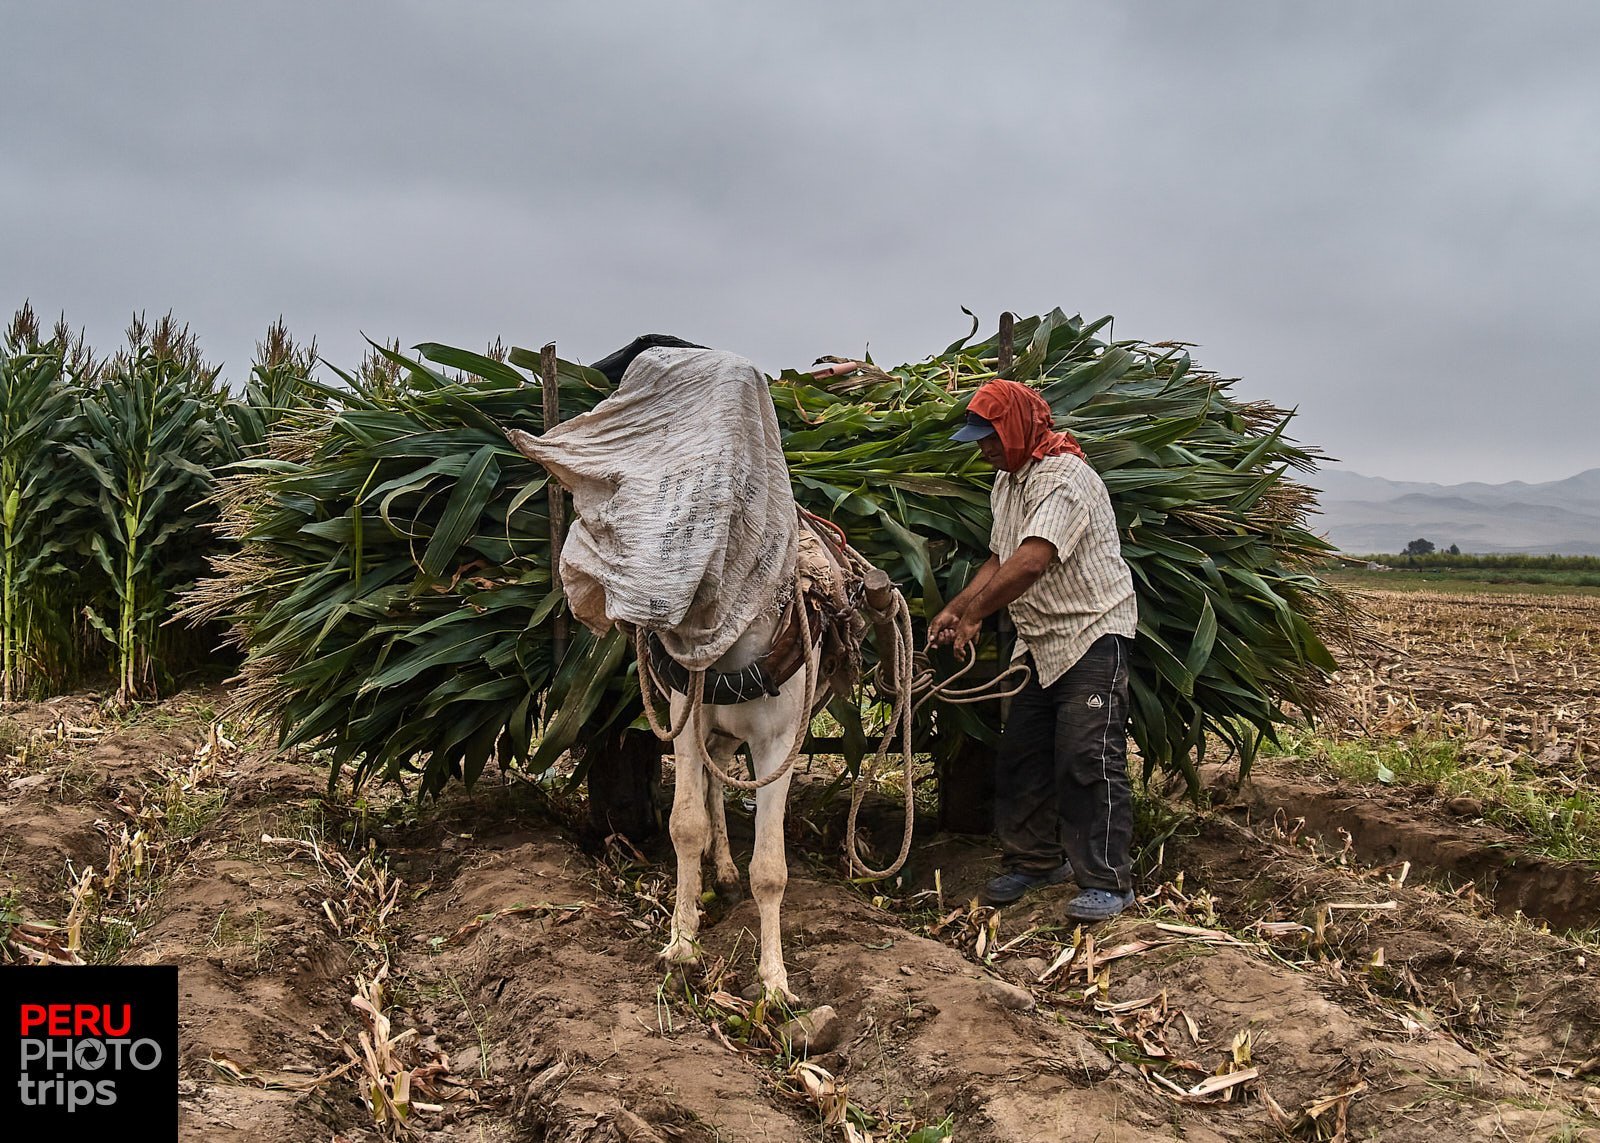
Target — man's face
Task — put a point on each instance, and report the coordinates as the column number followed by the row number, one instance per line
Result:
column 993, row 451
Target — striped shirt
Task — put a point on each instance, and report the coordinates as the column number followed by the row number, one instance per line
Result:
column 1087, row 591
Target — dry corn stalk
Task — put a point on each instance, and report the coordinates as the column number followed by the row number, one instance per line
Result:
column 386, row 1078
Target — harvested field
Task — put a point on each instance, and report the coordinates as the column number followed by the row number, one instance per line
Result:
column 1275, row 982
column 1507, row 675
column 1471, row 750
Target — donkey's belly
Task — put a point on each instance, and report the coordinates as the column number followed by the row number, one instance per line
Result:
column 748, row 648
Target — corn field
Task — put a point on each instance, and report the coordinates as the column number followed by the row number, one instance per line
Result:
column 106, row 471
column 382, row 556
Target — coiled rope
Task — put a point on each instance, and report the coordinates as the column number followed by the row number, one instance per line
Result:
column 907, row 688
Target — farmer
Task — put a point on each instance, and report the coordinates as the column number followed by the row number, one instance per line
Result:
column 1063, row 807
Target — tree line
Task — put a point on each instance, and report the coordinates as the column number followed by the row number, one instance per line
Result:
column 1500, row 561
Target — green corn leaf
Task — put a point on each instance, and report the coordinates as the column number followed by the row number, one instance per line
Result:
column 1205, row 637
column 460, row 518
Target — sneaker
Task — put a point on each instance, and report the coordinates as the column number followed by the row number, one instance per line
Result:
column 1014, row 884
column 1098, row 904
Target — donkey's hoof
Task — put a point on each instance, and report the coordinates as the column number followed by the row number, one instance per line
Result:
column 679, row 950
column 677, row 982
column 730, row 892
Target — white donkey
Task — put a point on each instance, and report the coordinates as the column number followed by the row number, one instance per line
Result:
column 686, row 530
column 817, row 639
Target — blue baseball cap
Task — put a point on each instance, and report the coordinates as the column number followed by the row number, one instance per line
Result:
column 975, row 429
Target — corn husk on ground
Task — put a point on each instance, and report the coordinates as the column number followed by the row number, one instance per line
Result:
column 392, row 585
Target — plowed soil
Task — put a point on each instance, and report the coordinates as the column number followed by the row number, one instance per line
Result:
column 1513, row 683
column 1264, row 988
column 519, row 978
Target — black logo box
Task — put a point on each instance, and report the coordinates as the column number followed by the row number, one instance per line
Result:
column 59, row 1066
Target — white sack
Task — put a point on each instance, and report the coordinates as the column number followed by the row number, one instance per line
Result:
column 685, row 516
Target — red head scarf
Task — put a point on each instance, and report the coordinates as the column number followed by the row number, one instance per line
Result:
column 1023, row 421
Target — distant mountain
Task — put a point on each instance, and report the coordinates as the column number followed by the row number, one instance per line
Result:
column 1365, row 514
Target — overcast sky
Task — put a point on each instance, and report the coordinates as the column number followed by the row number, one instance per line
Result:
column 1385, row 214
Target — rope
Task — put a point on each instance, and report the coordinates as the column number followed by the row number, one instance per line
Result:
column 647, row 680
column 908, row 684
column 801, row 730
column 837, row 532
column 694, row 711
column 900, row 652
column 906, row 705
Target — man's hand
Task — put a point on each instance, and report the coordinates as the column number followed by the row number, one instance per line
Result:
column 966, row 633
column 943, row 628
column 952, row 628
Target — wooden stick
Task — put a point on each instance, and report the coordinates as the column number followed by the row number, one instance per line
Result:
column 558, row 504
column 1006, row 320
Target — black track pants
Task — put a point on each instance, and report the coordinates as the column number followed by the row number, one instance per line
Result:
column 1061, row 781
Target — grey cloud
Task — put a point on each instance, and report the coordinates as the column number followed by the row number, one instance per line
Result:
column 1382, row 214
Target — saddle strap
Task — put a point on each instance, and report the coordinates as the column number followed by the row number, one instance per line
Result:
column 760, row 679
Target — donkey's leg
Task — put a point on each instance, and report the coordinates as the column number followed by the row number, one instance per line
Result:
column 770, row 744
column 690, row 829
column 727, row 873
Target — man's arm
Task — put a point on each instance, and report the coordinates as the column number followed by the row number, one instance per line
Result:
column 995, row 585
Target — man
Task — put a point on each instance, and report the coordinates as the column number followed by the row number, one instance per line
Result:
column 1063, row 807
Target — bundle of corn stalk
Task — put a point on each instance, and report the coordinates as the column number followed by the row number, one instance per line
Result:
column 392, row 589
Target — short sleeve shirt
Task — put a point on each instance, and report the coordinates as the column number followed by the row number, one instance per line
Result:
column 1087, row 591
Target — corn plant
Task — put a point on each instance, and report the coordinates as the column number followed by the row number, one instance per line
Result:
column 41, row 503
column 392, row 587
column 151, row 434
column 279, row 386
